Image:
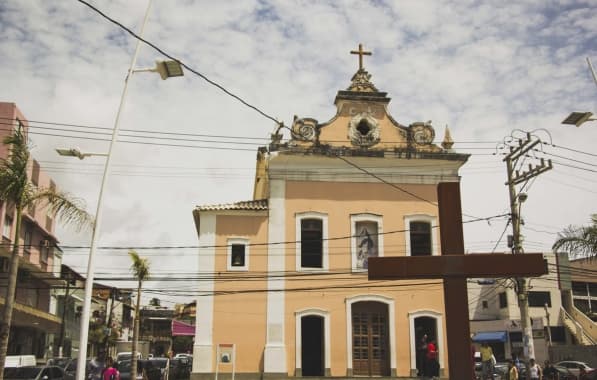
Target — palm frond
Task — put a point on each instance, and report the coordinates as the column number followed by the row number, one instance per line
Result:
column 69, row 210
column 140, row 266
column 580, row 241
column 13, row 171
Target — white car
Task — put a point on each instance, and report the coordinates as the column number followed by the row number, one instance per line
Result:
column 574, row 366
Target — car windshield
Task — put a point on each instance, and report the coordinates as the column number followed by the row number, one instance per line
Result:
column 21, row 372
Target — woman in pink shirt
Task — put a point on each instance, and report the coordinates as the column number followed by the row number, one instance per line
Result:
column 110, row 373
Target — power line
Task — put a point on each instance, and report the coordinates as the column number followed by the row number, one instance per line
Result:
column 220, row 87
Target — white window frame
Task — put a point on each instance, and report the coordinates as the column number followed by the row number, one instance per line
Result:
column 239, row 241
column 412, row 315
column 324, row 236
column 354, row 219
column 298, row 335
column 432, row 220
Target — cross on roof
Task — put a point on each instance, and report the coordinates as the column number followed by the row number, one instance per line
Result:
column 361, row 53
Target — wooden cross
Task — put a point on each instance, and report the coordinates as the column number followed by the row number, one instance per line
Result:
column 361, row 53
column 453, row 266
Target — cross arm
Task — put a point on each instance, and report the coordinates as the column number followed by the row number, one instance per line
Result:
column 468, row 266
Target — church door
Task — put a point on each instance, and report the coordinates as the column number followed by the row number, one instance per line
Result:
column 312, row 345
column 370, row 343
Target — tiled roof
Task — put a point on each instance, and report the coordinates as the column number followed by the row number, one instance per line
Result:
column 256, row 205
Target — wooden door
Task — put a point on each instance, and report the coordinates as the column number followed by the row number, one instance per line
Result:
column 370, row 348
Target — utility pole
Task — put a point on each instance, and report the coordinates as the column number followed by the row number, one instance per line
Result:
column 515, row 177
column 548, row 325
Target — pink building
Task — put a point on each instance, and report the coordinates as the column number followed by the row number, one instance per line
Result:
column 33, row 320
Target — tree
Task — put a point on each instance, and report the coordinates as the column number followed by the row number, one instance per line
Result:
column 581, row 241
column 140, row 269
column 154, row 302
column 17, row 190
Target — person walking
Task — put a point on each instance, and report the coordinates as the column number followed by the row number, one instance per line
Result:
column 550, row 372
column 431, row 363
column 421, row 354
column 512, row 370
column 535, row 372
column 487, row 360
column 110, row 373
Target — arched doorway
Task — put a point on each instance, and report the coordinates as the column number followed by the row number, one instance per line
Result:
column 425, row 329
column 370, row 339
column 312, row 345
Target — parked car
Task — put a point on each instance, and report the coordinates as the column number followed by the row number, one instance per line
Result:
column 34, row 373
column 180, row 368
column 565, row 373
column 574, row 366
column 157, row 368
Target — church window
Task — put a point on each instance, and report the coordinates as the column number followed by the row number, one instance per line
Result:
column 363, row 127
column 311, row 243
column 420, row 238
column 238, row 254
column 311, row 236
column 420, row 235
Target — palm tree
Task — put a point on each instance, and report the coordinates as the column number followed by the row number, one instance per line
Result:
column 140, row 268
column 580, row 241
column 16, row 189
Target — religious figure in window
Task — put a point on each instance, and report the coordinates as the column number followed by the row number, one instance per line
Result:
column 366, row 243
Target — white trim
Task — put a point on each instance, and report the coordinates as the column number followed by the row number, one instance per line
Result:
column 364, row 217
column 202, row 353
column 299, row 216
column 326, row 336
column 391, row 325
column 432, row 220
column 413, row 339
column 237, row 241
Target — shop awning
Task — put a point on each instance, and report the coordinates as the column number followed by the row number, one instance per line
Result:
column 182, row 329
column 490, row 336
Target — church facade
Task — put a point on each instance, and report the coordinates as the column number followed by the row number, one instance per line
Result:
column 284, row 289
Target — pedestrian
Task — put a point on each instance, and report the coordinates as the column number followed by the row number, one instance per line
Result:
column 487, row 360
column 535, row 372
column 512, row 370
column 421, row 353
column 431, row 363
column 550, row 372
column 96, row 366
column 110, row 373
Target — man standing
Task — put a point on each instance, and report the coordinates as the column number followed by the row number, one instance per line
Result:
column 487, row 359
column 535, row 370
column 549, row 371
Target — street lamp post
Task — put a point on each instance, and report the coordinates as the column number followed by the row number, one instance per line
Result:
column 166, row 69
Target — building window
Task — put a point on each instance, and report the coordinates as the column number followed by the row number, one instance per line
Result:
column 44, row 250
column 503, row 300
column 35, row 173
column 311, row 247
column 367, row 239
column 28, row 236
column 484, row 304
column 539, row 299
column 238, row 254
column 7, row 228
column 311, row 243
column 420, row 235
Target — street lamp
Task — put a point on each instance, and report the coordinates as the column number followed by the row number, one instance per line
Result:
column 165, row 69
column 578, row 118
column 76, row 152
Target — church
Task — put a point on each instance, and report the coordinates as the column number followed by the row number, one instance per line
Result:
column 283, row 289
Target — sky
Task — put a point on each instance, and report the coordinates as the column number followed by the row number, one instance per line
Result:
column 488, row 70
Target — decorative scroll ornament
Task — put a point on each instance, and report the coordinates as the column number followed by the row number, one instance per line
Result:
column 304, row 129
column 363, row 130
column 422, row 133
column 360, row 82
